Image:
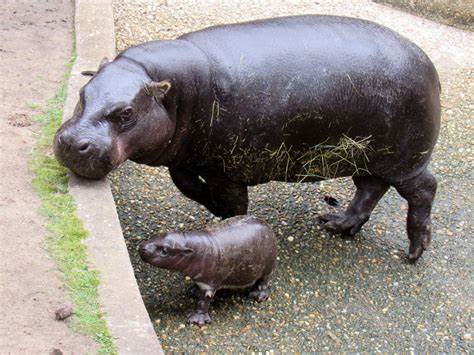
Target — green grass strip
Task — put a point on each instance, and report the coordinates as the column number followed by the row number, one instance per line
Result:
column 66, row 232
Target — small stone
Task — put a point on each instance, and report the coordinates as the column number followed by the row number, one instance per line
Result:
column 467, row 337
column 181, row 326
column 56, row 351
column 64, row 311
column 290, row 239
column 333, row 337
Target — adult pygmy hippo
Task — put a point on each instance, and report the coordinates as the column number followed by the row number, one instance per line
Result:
column 294, row 99
column 237, row 253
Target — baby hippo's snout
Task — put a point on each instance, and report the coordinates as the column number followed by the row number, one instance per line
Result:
column 239, row 252
column 147, row 250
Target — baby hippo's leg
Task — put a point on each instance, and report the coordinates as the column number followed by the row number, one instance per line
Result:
column 259, row 291
column 193, row 291
column 200, row 316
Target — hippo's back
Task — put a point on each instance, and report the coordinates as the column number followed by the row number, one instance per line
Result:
column 286, row 46
column 299, row 82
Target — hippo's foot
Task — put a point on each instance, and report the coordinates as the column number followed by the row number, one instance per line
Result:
column 259, row 291
column 199, row 318
column 418, row 246
column 342, row 223
column 369, row 191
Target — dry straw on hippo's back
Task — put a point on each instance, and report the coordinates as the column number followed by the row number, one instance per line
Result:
column 328, row 161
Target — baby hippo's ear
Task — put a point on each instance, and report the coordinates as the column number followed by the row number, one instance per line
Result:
column 186, row 251
column 158, row 89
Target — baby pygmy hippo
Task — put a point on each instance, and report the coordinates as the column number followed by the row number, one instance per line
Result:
column 239, row 252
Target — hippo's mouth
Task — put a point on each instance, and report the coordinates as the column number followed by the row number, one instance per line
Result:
column 89, row 168
column 95, row 163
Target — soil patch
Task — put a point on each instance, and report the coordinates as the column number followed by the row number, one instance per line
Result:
column 35, row 41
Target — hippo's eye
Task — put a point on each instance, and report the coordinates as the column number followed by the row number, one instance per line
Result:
column 126, row 118
column 164, row 252
column 126, row 112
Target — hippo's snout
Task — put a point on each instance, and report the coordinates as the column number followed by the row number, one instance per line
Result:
column 147, row 250
column 83, row 147
column 85, row 154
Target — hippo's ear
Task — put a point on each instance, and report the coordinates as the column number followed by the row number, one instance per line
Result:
column 103, row 62
column 88, row 72
column 158, row 89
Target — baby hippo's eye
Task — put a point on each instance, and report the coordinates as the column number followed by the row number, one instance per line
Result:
column 164, row 252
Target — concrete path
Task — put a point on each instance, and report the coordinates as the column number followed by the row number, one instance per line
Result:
column 119, row 297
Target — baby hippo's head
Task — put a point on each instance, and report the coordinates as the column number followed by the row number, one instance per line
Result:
column 167, row 250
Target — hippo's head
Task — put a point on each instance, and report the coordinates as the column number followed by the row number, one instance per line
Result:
column 166, row 251
column 120, row 115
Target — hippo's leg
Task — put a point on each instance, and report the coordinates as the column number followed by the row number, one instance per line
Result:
column 192, row 187
column 419, row 193
column 369, row 191
column 229, row 198
column 200, row 316
column 259, row 291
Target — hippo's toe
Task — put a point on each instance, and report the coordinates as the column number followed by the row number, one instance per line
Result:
column 342, row 223
column 418, row 246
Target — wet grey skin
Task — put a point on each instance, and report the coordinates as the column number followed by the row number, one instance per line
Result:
column 296, row 99
column 239, row 252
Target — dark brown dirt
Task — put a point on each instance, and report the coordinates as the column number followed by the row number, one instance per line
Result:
column 35, row 43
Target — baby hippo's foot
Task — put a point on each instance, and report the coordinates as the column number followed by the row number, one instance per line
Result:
column 342, row 223
column 259, row 291
column 193, row 291
column 258, row 295
column 199, row 318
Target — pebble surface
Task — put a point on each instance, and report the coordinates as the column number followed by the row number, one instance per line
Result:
column 327, row 293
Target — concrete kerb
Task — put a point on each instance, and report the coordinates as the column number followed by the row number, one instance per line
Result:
column 120, row 299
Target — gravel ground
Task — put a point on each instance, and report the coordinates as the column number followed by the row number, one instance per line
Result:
column 328, row 293
column 458, row 13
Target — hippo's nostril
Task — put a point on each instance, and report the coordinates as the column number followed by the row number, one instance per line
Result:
column 84, row 148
